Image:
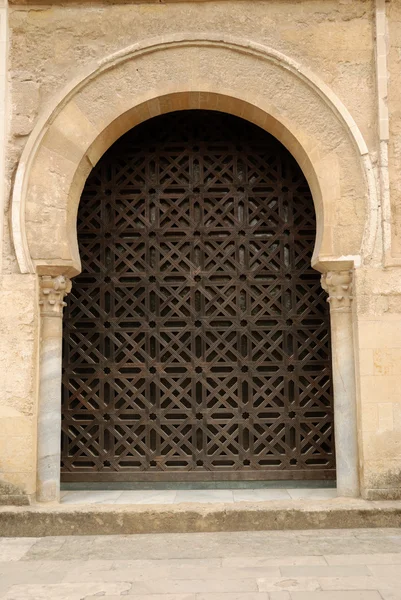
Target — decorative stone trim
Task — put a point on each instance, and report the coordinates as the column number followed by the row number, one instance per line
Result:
column 382, row 80
column 338, row 284
column 216, row 41
column 51, row 294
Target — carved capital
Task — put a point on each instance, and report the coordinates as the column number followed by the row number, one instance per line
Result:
column 338, row 285
column 51, row 294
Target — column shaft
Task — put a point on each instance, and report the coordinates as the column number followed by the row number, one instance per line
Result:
column 338, row 285
column 52, row 292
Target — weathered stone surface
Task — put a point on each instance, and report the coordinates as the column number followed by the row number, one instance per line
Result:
column 17, row 390
column 375, row 577
column 53, row 45
column 25, row 95
column 11, row 494
column 56, row 520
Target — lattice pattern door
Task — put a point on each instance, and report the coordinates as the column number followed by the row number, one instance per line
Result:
column 196, row 339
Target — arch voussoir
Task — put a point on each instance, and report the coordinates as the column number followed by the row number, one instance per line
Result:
column 135, row 84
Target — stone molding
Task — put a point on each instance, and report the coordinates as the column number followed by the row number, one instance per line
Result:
column 176, row 41
column 51, row 294
column 338, row 285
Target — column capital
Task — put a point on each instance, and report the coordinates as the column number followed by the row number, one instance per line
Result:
column 338, row 285
column 51, row 294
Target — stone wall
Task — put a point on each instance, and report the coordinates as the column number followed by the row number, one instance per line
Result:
column 18, row 362
column 52, row 45
column 378, row 317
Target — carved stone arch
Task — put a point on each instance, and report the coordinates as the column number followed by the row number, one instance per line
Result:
column 189, row 72
column 178, row 73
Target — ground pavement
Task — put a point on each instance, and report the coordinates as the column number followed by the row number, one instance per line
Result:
column 358, row 564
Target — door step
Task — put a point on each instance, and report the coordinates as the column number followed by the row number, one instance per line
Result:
column 64, row 520
column 198, row 485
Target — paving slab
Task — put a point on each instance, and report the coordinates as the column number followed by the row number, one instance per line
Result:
column 172, row 586
column 361, row 583
column 274, row 561
column 343, row 595
column 245, row 565
column 150, row 597
column 260, row 495
column 363, row 559
column 211, row 545
column 306, row 494
column 390, row 595
column 162, row 563
column 328, row 571
column 386, row 571
column 204, row 496
column 289, row 584
column 234, row 596
column 91, row 497
column 64, row 591
column 146, row 497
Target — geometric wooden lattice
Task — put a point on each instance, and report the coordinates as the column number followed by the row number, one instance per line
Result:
column 196, row 338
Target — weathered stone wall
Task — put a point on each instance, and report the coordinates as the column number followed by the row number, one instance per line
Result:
column 51, row 45
column 18, row 343
column 378, row 317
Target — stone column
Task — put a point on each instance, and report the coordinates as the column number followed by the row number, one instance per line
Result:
column 51, row 300
column 338, row 284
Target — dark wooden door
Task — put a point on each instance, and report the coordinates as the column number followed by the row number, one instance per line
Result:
column 196, row 339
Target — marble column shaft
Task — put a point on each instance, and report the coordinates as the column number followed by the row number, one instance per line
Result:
column 338, row 284
column 51, row 300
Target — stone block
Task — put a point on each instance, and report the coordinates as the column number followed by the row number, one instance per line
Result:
column 326, row 571
column 15, row 551
column 363, row 559
column 171, row 586
column 381, row 333
column 273, row 561
column 25, row 101
column 17, row 454
column 357, row 583
column 176, row 572
column 72, row 591
column 289, row 584
column 378, row 389
column 341, row 595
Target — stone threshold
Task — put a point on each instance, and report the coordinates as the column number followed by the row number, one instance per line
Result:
column 273, row 484
column 64, row 520
column 199, row 496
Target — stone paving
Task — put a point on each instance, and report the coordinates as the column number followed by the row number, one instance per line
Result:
column 202, row 496
column 358, row 564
